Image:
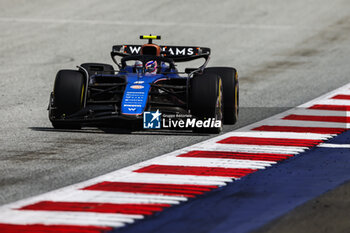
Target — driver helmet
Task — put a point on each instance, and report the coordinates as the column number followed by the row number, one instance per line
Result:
column 138, row 66
column 151, row 67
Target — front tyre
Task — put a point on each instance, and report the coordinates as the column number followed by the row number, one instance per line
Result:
column 206, row 98
column 229, row 79
column 68, row 97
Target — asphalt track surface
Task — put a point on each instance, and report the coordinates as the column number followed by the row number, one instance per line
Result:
column 286, row 53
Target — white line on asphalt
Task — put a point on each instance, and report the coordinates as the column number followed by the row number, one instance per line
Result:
column 210, row 162
column 250, row 148
column 287, row 135
column 67, row 218
column 317, row 112
column 115, row 197
column 331, row 145
column 147, row 23
column 161, row 24
column 307, row 124
column 170, row 179
column 334, row 102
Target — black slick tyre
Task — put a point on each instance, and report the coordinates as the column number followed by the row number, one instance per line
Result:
column 229, row 79
column 206, row 96
column 68, row 95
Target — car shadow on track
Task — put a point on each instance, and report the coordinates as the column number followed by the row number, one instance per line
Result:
column 119, row 131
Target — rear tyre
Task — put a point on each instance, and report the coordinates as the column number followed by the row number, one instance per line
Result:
column 206, row 98
column 68, row 97
column 229, row 79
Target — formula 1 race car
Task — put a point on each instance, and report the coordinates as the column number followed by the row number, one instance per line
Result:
column 146, row 81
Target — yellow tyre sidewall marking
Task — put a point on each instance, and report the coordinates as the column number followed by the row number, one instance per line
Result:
column 82, row 95
column 236, row 95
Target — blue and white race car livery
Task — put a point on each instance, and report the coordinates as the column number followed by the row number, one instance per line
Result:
column 146, row 80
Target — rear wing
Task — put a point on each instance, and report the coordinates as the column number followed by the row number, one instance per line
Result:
column 176, row 53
